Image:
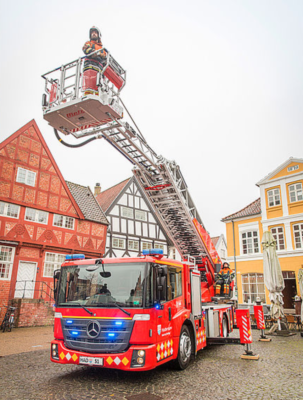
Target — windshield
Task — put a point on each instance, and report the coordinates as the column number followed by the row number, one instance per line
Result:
column 85, row 286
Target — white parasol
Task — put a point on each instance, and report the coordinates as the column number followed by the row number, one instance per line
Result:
column 300, row 279
column 273, row 277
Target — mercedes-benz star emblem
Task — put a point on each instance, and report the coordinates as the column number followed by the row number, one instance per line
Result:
column 93, row 329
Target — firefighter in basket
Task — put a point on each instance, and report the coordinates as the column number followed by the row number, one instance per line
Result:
column 224, row 279
column 93, row 64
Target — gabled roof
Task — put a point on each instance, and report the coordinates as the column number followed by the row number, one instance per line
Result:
column 106, row 198
column 278, row 169
column 253, row 208
column 29, row 132
column 87, row 203
column 215, row 240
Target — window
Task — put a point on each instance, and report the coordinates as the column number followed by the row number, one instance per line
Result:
column 26, row 176
column 253, row 287
column 9, row 210
column 250, row 242
column 119, row 243
column 133, row 245
column 127, row 212
column 6, row 261
column 273, row 197
column 278, row 235
column 222, row 253
column 159, row 246
column 295, row 192
column 63, row 221
column 52, row 262
column 146, row 246
column 141, row 215
column 36, row 215
column 174, row 282
column 293, row 168
column 298, row 235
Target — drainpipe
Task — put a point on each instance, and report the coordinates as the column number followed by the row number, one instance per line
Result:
column 235, row 262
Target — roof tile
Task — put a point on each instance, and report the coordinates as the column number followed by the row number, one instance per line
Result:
column 106, row 198
column 87, row 203
column 253, row 208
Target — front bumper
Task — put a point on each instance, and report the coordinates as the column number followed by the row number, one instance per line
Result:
column 120, row 361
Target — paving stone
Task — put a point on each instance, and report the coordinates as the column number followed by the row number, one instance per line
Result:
column 217, row 373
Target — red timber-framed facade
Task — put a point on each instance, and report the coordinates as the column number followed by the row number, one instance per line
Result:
column 42, row 218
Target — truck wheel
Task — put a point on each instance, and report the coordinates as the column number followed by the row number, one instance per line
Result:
column 185, row 349
column 225, row 326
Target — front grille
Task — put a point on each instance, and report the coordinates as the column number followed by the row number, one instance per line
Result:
column 106, row 336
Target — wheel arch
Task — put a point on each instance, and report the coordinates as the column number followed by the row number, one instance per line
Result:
column 190, row 323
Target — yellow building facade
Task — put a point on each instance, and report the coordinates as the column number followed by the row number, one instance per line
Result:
column 279, row 210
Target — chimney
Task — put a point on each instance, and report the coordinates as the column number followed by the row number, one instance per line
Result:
column 97, row 189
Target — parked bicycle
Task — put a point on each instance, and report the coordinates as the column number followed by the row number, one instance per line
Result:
column 8, row 322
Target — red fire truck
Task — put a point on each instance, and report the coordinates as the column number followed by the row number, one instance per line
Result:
column 134, row 313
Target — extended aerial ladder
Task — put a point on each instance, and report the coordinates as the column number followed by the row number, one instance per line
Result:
column 69, row 110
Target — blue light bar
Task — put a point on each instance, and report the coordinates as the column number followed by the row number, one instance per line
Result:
column 111, row 335
column 75, row 333
column 152, row 252
column 74, row 257
column 118, row 323
column 69, row 321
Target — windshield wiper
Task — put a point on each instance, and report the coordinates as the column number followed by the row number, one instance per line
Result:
column 122, row 309
column 86, row 309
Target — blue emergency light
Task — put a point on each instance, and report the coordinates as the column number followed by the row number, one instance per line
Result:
column 118, row 323
column 153, row 252
column 69, row 257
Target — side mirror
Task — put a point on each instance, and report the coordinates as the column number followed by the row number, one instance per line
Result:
column 106, row 274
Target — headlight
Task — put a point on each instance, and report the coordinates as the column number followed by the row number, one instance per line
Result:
column 138, row 359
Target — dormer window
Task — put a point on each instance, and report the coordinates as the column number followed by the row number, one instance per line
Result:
column 26, row 176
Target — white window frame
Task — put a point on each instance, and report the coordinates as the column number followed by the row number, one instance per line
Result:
column 56, row 263
column 299, row 236
column 133, row 245
column 7, row 265
column 25, row 176
column 295, row 192
column 273, row 197
column 127, row 212
column 293, row 168
column 278, row 236
column 65, row 221
column 6, row 209
column 253, row 295
column 36, row 217
column 141, row 215
column 118, row 243
column 247, row 232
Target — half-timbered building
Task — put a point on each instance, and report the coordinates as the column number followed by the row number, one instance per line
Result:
column 133, row 224
column 42, row 217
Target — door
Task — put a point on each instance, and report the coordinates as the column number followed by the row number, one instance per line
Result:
column 290, row 289
column 26, row 279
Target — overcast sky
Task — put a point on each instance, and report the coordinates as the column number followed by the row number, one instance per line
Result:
column 215, row 85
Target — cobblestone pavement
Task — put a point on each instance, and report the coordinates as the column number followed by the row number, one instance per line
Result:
column 217, row 373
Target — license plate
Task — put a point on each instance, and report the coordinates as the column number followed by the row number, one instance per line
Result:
column 91, row 360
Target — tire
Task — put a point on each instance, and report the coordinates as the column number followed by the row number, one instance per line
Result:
column 225, row 326
column 185, row 349
column 4, row 325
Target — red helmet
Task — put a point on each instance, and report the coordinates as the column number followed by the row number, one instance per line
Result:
column 94, row 28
